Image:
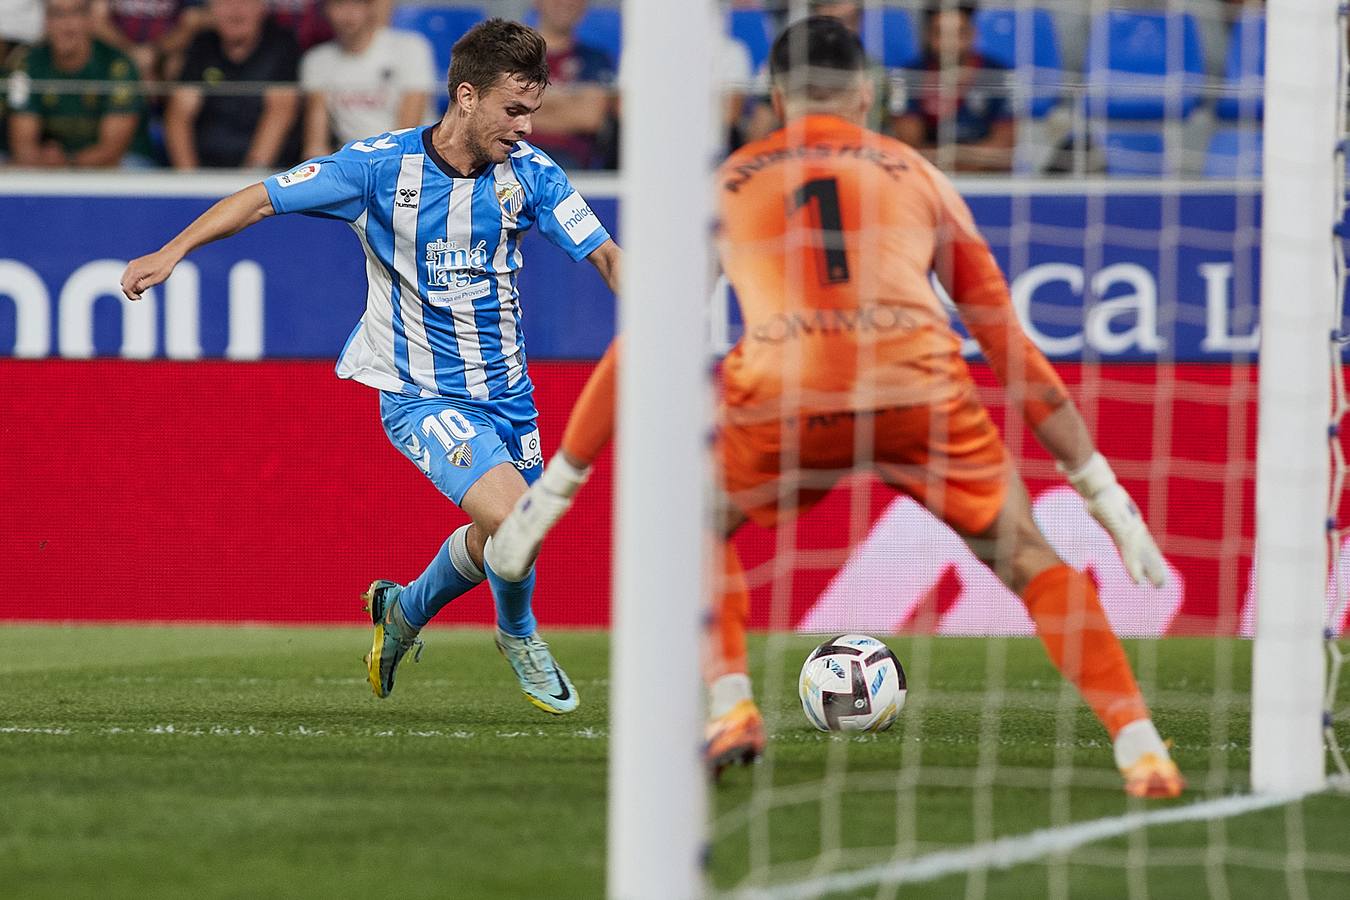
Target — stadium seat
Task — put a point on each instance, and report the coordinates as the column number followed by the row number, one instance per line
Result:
column 443, row 25
column 1245, row 69
column 1136, row 60
column 601, row 27
column 997, row 38
column 754, row 28
column 897, row 46
column 1138, row 153
column 1234, row 152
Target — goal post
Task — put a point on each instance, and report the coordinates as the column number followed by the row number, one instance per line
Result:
column 656, row 781
column 1298, row 303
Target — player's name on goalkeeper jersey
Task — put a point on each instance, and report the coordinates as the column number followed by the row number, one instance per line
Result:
column 443, row 258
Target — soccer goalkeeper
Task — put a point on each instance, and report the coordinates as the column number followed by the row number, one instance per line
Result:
column 828, row 234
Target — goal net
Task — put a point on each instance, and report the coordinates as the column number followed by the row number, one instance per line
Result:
column 1111, row 156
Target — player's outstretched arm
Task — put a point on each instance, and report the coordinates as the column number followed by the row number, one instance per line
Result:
column 589, row 428
column 1065, row 435
column 974, row 281
column 229, row 216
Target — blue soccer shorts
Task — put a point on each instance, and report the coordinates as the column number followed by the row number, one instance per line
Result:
column 455, row 444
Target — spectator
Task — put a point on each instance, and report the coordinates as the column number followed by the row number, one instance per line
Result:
column 306, row 21
column 735, row 78
column 958, row 114
column 880, row 117
column 83, row 126
column 236, row 129
column 371, row 79
column 20, row 24
column 579, row 102
column 20, row 28
column 151, row 32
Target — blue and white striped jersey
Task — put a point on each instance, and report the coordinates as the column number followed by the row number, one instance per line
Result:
column 442, row 259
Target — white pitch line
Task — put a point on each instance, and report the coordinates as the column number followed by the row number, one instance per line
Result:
column 1011, row 851
column 217, row 730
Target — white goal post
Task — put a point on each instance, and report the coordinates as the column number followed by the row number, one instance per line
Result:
column 656, row 782
column 1298, row 305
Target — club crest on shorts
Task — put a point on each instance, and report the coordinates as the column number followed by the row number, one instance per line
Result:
column 461, row 455
column 511, row 196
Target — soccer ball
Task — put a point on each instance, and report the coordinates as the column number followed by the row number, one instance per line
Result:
column 852, row 683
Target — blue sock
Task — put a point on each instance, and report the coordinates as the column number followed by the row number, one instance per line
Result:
column 515, row 616
column 450, row 574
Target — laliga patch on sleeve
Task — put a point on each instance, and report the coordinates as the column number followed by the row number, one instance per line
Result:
column 295, row 176
column 576, row 218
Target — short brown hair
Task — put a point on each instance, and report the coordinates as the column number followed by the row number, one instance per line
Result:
column 494, row 49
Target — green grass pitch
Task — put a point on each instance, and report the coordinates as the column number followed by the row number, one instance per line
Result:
column 254, row 762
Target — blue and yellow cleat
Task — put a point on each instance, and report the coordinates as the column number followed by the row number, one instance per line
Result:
column 542, row 681
column 394, row 637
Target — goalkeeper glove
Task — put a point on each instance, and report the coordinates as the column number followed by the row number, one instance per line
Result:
column 1112, row 507
column 511, row 551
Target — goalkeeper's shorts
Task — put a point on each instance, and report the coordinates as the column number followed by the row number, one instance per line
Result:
column 948, row 456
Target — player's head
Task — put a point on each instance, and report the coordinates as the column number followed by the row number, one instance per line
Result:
column 949, row 30
column 818, row 66
column 498, row 72
column 352, row 20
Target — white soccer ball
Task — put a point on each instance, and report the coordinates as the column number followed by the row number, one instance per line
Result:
column 852, row 683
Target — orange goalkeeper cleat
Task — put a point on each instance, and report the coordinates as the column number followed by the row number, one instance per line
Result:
column 1153, row 776
column 737, row 737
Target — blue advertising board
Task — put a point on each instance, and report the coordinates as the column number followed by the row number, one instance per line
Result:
column 1125, row 276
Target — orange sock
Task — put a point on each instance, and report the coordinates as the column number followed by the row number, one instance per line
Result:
column 731, row 610
column 1071, row 623
column 591, row 424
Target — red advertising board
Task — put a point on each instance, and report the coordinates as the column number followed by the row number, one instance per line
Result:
column 267, row 491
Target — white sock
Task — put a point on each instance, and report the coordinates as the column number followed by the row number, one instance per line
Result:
column 1136, row 739
column 726, row 692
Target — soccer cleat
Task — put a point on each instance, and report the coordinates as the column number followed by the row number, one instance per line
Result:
column 736, row 737
column 394, row 637
column 542, row 680
column 1153, row 776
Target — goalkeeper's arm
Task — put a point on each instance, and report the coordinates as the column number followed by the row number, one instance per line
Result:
column 974, row 281
column 590, row 427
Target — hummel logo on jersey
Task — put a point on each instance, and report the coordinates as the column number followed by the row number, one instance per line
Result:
column 406, row 198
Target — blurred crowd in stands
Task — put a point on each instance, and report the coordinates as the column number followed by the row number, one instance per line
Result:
column 1127, row 88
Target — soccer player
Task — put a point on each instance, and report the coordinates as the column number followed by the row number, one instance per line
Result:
column 828, row 234
column 439, row 211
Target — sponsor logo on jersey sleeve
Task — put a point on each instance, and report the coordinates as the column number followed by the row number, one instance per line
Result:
column 576, row 218
column 295, row 176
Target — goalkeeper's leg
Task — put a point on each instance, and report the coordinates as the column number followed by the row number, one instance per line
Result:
column 964, row 475
column 1073, row 626
column 735, row 731
column 589, row 428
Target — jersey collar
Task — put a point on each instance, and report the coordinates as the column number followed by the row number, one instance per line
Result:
column 449, row 170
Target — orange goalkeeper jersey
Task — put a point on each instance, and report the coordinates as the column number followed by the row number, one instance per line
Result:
column 829, row 232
